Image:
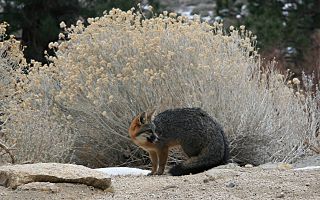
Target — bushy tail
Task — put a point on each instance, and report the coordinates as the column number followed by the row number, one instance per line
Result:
column 193, row 165
column 204, row 161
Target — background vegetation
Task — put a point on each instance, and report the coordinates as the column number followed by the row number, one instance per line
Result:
column 286, row 29
column 76, row 106
column 38, row 21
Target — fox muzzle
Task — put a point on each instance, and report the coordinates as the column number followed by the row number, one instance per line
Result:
column 153, row 138
column 150, row 128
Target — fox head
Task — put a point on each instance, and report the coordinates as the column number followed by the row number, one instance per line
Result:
column 142, row 129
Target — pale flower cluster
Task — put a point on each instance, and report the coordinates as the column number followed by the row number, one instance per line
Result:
column 11, row 61
column 28, row 127
column 296, row 81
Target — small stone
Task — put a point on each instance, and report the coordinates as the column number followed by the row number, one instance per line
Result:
column 284, row 166
column 268, row 166
column 248, row 166
column 231, row 185
column 281, row 195
column 170, row 187
column 152, row 195
column 228, row 166
column 110, row 189
column 207, row 180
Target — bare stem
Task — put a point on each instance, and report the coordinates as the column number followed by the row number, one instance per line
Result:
column 7, row 150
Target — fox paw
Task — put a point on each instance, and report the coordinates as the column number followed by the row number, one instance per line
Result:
column 151, row 174
column 155, row 173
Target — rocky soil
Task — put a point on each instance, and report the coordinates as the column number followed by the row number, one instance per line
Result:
column 227, row 182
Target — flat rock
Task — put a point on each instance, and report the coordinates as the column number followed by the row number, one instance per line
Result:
column 279, row 165
column 13, row 176
column 123, row 171
column 308, row 161
column 228, row 166
column 40, row 186
column 307, row 168
column 215, row 173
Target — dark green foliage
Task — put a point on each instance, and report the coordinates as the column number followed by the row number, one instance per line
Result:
column 266, row 21
column 37, row 21
column 282, row 25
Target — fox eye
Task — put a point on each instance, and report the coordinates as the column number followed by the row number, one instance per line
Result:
column 142, row 118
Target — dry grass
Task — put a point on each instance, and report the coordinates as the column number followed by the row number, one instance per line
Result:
column 121, row 64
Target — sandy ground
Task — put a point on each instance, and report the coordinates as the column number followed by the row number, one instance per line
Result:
column 238, row 183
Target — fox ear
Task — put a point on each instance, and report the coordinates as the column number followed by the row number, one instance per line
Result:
column 142, row 118
column 151, row 115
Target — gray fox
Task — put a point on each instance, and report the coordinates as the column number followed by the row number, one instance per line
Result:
column 200, row 136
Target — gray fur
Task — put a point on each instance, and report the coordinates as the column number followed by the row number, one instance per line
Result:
column 200, row 136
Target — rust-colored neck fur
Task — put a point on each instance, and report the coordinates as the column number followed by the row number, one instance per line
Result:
column 134, row 127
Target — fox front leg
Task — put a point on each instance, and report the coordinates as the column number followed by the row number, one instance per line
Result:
column 163, row 156
column 154, row 162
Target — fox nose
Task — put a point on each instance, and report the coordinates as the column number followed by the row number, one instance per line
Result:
column 153, row 138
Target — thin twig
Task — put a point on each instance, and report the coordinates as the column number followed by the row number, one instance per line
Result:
column 315, row 149
column 5, row 121
column 7, row 150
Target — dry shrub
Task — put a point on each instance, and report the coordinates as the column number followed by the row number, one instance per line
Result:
column 11, row 58
column 121, row 64
column 29, row 128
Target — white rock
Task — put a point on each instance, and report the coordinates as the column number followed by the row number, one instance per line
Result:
column 123, row 171
column 308, row 168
